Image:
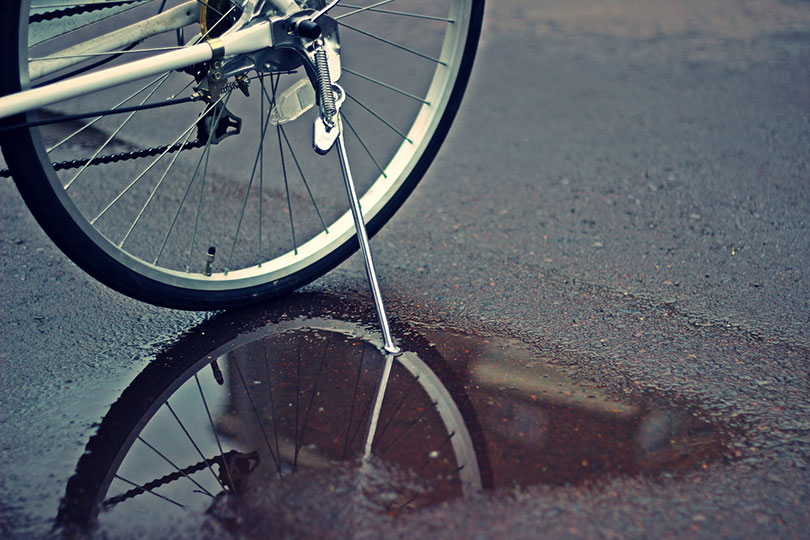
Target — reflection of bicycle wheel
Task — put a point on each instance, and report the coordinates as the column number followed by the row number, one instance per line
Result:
column 116, row 197
column 287, row 402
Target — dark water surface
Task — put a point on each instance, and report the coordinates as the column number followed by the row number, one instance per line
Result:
column 294, row 418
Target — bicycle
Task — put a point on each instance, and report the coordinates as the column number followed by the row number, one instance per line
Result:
column 86, row 84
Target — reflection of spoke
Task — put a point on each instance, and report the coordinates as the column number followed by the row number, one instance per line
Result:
column 409, row 501
column 304, row 178
column 396, row 409
column 378, row 117
column 170, row 462
column 388, row 86
column 142, row 174
column 272, row 405
column 362, row 9
column 393, row 44
column 197, row 448
column 300, row 440
column 115, row 133
column 390, row 12
column 297, row 400
column 348, row 439
column 429, row 459
column 258, row 419
column 214, row 430
column 407, row 429
column 363, row 144
column 133, row 484
column 361, row 419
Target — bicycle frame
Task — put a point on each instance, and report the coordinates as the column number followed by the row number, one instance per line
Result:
column 241, row 39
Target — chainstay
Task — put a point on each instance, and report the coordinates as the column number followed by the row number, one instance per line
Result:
column 116, row 158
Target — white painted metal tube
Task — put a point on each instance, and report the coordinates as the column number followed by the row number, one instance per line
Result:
column 242, row 41
column 172, row 19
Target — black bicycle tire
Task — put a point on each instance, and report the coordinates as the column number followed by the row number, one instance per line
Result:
column 20, row 151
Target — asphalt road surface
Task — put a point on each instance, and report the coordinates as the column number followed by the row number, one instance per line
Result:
column 626, row 191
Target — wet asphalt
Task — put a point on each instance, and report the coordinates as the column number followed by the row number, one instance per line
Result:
column 626, row 191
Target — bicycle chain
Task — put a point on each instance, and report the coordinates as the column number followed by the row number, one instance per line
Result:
column 75, row 10
column 116, row 158
column 169, row 478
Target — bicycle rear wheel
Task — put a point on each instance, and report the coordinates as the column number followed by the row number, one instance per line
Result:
column 270, row 216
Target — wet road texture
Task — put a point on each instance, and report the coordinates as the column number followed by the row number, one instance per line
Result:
column 600, row 286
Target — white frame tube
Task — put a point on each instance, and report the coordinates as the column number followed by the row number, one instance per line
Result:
column 242, row 41
column 177, row 17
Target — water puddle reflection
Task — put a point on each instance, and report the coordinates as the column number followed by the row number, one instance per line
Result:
column 269, row 417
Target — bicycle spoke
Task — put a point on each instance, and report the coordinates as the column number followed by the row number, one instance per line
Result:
column 259, row 154
column 378, row 117
column 393, row 44
column 153, row 192
column 390, row 12
column 115, row 133
column 385, row 85
column 304, row 178
column 272, row 101
column 203, row 155
column 362, row 9
column 197, row 448
column 287, row 190
column 142, row 174
column 363, row 144
column 261, row 174
column 170, row 462
column 89, row 124
column 207, row 154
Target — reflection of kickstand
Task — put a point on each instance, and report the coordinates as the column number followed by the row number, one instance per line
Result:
column 375, row 412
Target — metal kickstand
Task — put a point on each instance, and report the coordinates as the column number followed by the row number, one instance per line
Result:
column 365, row 248
column 325, row 137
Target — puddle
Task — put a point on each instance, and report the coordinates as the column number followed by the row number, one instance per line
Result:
column 291, row 417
